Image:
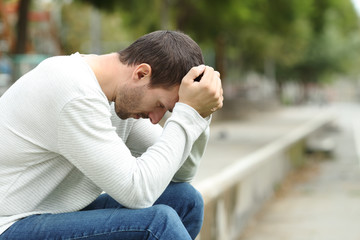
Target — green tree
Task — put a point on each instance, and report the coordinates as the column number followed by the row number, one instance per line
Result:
column 333, row 46
column 87, row 29
column 140, row 16
column 304, row 40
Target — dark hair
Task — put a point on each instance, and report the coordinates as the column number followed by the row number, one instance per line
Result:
column 170, row 54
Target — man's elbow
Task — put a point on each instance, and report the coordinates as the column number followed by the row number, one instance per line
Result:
column 139, row 200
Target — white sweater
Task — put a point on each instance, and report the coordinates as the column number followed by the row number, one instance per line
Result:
column 61, row 145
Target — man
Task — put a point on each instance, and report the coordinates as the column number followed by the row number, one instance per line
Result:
column 78, row 125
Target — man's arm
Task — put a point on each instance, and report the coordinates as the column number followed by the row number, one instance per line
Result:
column 87, row 139
column 189, row 93
column 138, row 135
column 188, row 170
column 144, row 134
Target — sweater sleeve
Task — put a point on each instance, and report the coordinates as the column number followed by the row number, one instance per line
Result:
column 88, row 140
column 144, row 134
column 188, row 170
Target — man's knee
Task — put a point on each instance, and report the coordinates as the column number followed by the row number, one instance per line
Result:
column 189, row 195
column 190, row 207
column 165, row 212
column 168, row 223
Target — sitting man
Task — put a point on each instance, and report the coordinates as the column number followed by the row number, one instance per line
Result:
column 77, row 126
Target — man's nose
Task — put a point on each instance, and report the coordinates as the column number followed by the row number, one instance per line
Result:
column 156, row 115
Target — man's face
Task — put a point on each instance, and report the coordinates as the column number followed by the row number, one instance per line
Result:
column 141, row 101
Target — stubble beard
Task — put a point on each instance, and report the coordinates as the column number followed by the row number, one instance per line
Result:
column 128, row 100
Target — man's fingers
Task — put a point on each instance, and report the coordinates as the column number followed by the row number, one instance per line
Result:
column 214, row 86
column 194, row 73
column 204, row 96
column 217, row 73
column 208, row 75
column 220, row 93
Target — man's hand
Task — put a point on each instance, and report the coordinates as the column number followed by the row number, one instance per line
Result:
column 205, row 96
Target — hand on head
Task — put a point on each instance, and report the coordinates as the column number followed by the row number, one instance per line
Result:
column 205, row 96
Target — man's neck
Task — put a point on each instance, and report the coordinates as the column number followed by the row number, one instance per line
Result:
column 109, row 71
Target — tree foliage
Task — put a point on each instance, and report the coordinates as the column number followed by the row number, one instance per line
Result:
column 306, row 40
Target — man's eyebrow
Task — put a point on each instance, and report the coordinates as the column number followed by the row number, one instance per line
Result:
column 166, row 107
column 170, row 109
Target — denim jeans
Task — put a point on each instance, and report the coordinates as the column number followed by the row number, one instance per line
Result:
column 177, row 214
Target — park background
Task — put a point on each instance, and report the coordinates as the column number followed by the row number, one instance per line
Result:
column 268, row 52
column 284, row 64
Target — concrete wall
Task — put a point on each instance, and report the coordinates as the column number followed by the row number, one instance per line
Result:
column 235, row 194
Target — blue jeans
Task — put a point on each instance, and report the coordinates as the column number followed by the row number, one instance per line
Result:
column 177, row 214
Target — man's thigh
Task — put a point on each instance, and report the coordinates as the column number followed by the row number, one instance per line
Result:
column 181, row 197
column 157, row 222
column 175, row 215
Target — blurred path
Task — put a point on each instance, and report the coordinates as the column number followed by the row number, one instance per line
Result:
column 232, row 140
column 326, row 206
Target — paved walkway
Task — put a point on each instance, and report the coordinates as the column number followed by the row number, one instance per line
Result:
column 326, row 205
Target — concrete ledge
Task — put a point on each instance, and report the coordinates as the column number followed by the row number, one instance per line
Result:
column 233, row 195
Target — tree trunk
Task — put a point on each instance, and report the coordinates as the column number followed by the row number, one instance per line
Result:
column 22, row 26
column 220, row 56
column 279, row 90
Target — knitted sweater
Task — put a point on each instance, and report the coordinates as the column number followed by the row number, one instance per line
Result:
column 61, row 145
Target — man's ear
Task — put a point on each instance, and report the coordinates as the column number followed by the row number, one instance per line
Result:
column 142, row 71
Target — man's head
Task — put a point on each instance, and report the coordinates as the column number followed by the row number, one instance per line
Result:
column 170, row 55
